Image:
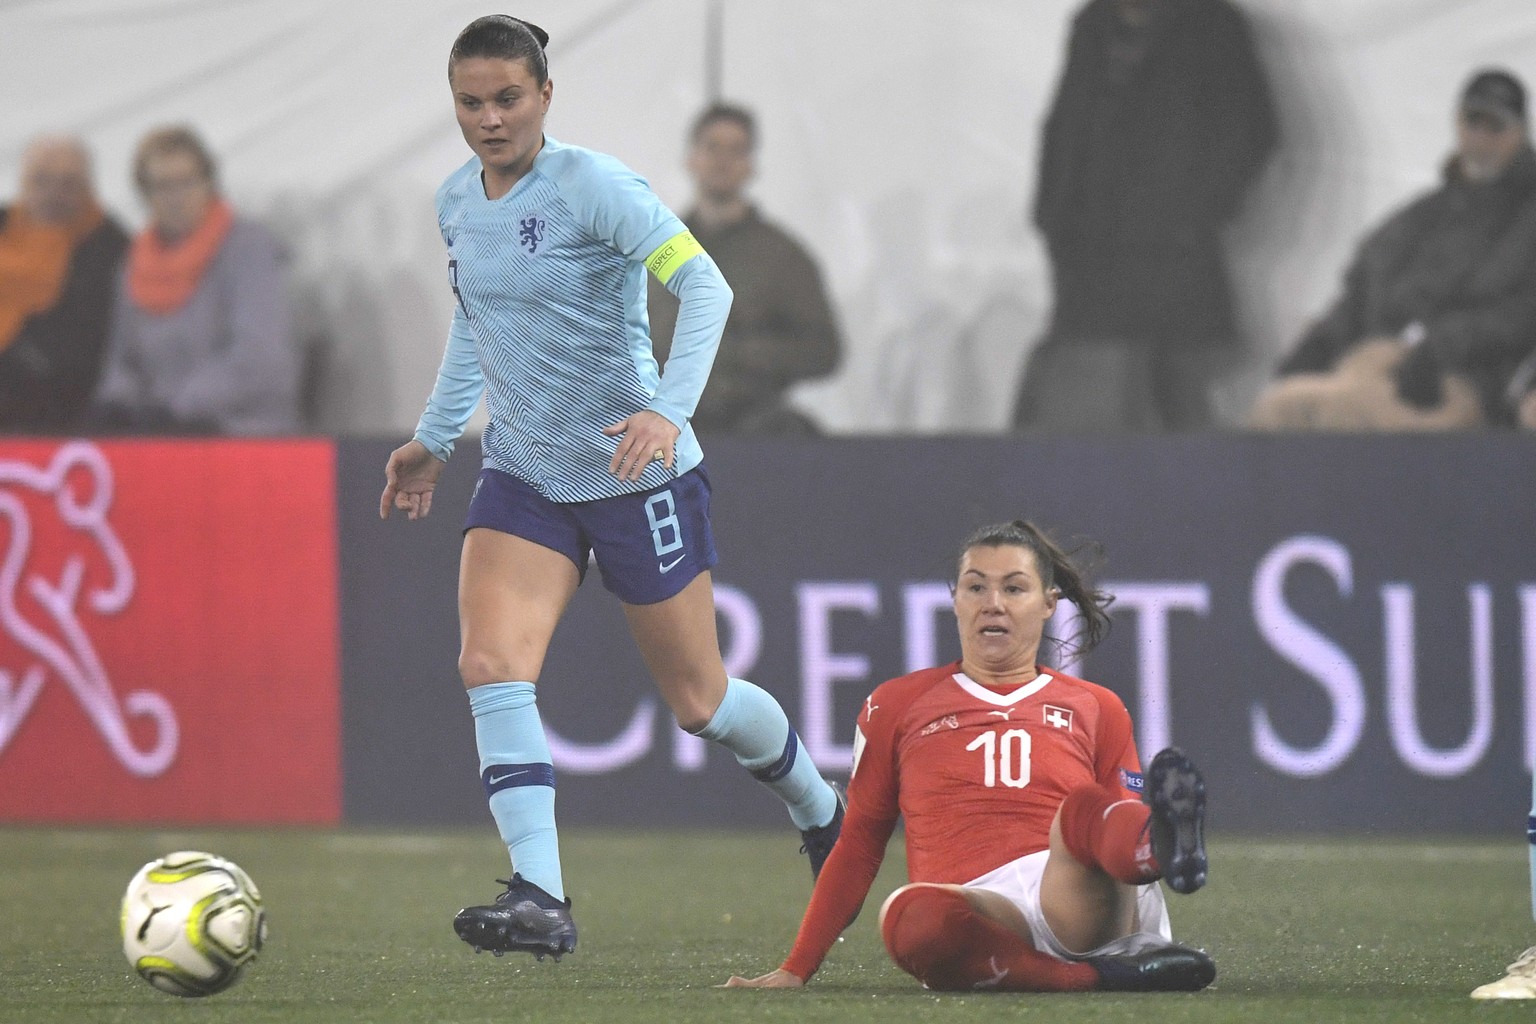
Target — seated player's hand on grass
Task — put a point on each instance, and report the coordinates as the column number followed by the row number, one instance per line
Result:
column 773, row 979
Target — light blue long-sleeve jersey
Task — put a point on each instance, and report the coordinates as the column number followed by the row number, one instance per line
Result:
column 551, row 322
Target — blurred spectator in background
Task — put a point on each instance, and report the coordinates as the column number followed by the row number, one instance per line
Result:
column 1161, row 121
column 781, row 329
column 201, row 339
column 59, row 257
column 1439, row 306
column 1521, row 393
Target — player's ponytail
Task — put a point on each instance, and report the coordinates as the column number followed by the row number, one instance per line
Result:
column 503, row 37
column 1066, row 571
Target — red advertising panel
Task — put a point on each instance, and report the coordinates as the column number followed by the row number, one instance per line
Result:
column 168, row 632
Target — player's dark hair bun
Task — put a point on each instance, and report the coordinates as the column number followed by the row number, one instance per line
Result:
column 538, row 33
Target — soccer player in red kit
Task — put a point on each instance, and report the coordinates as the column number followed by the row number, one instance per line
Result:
column 1034, row 843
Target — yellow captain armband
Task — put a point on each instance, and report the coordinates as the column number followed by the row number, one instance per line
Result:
column 672, row 254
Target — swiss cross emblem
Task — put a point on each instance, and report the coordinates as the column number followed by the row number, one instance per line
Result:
column 1058, row 718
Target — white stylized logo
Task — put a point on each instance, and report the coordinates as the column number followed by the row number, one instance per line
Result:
column 998, row 974
column 43, row 615
column 952, row 721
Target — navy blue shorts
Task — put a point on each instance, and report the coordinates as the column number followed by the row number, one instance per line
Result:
column 648, row 545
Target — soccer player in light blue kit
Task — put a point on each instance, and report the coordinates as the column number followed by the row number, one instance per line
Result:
column 588, row 450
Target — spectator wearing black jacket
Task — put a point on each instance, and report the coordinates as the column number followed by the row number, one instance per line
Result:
column 1162, row 121
column 59, row 257
column 1439, row 306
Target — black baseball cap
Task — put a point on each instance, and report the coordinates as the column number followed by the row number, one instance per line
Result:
column 1496, row 93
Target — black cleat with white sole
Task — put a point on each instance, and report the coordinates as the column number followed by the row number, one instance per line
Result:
column 1170, row 968
column 524, row 919
column 1175, row 791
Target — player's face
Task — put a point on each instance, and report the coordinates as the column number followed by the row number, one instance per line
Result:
column 500, row 107
column 1001, row 607
column 720, row 159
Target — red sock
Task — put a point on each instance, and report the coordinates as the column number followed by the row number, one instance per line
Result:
column 1104, row 829
column 938, row 938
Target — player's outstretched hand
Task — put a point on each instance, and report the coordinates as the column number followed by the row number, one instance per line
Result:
column 409, row 479
column 773, row 979
column 644, row 438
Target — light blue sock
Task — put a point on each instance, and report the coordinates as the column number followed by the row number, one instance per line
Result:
column 750, row 724
column 519, row 779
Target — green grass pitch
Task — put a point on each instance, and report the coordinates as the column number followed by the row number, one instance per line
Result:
column 1303, row 931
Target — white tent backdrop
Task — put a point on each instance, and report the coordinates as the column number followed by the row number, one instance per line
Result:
column 899, row 141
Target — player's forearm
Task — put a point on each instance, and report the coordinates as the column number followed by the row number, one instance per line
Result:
column 704, row 303
column 459, row 386
column 832, row 907
column 840, row 891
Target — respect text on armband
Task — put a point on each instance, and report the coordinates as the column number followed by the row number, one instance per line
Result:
column 672, row 254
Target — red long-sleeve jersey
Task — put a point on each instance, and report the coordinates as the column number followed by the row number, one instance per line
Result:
column 978, row 774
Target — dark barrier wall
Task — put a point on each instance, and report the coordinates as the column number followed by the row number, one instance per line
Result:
column 1342, row 630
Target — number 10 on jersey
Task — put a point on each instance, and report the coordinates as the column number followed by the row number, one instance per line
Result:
column 1004, row 756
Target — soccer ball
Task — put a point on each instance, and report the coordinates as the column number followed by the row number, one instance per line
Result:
column 192, row 922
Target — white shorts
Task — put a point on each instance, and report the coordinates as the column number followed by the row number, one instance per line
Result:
column 1019, row 882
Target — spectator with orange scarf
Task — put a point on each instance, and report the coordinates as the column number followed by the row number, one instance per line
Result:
column 59, row 259
column 201, row 341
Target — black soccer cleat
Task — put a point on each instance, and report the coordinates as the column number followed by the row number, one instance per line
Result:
column 524, row 919
column 1170, row 968
column 1175, row 790
column 817, row 843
